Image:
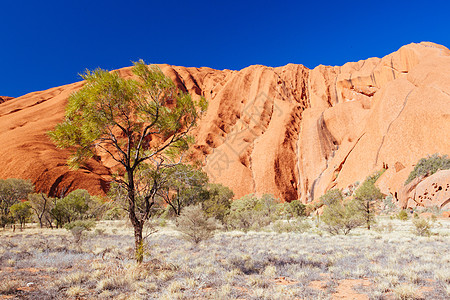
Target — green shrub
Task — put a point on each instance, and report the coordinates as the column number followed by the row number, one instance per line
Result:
column 341, row 217
column 21, row 212
column 77, row 228
column 422, row 227
column 218, row 202
column 298, row 225
column 297, row 209
column 402, row 215
column 251, row 212
column 12, row 191
column 428, row 166
column 331, row 197
column 366, row 198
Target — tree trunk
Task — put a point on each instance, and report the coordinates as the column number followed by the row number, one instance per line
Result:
column 139, row 244
column 137, row 224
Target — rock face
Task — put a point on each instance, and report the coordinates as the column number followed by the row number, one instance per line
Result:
column 289, row 131
column 430, row 191
column 5, row 98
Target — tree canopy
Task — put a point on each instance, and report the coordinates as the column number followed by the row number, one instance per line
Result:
column 144, row 120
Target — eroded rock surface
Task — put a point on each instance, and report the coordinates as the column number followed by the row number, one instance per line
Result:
column 289, row 131
column 425, row 192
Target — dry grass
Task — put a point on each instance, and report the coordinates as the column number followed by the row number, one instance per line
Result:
column 45, row 264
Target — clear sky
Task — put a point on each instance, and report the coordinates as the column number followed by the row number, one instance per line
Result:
column 48, row 43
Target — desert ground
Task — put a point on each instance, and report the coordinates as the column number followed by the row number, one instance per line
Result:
column 388, row 262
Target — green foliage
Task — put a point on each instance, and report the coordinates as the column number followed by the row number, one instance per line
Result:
column 313, row 206
column 402, row 215
column 297, row 209
column 331, row 197
column 251, row 212
column 428, row 166
column 298, row 225
column 21, row 212
column 78, row 227
column 140, row 120
column 12, row 190
column 137, row 108
column 218, row 202
column 341, row 217
column 366, row 198
column 422, row 227
column 181, row 185
column 72, row 207
column 85, row 224
column 195, row 225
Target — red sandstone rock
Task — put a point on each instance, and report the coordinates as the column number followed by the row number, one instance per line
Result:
column 289, row 131
column 5, row 98
column 430, row 191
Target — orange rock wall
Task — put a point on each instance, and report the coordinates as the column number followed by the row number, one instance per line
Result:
column 289, row 131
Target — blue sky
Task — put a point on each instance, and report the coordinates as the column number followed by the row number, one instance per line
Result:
column 48, row 43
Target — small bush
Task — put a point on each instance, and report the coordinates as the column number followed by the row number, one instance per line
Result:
column 331, row 197
column 195, row 225
column 299, row 226
column 251, row 212
column 341, row 218
column 78, row 227
column 297, row 209
column 402, row 215
column 218, row 202
column 428, row 166
column 422, row 227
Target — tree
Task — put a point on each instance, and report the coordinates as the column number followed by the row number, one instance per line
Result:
column 182, row 185
column 41, row 205
column 72, row 207
column 21, row 212
column 133, row 121
column 218, row 202
column 331, row 197
column 428, row 166
column 253, row 212
column 366, row 197
column 75, row 204
column 341, row 217
column 296, row 209
column 12, row 190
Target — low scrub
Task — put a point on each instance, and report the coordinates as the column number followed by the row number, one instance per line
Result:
column 428, row 166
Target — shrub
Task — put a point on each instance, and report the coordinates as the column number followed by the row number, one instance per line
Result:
column 12, row 190
column 341, row 218
column 428, row 166
column 77, row 228
column 422, row 227
column 218, row 202
column 72, row 207
column 331, row 197
column 402, row 215
column 251, row 212
column 298, row 225
column 21, row 212
column 297, row 209
column 195, row 225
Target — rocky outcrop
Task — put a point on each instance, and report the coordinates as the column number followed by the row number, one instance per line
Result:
column 5, row 98
column 425, row 192
column 289, row 131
